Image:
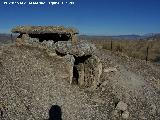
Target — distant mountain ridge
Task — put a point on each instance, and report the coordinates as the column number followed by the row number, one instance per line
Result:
column 127, row 37
column 123, row 37
column 5, row 36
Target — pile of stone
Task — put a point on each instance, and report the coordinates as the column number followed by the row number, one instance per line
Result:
column 83, row 66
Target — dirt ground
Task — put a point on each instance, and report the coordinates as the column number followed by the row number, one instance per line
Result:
column 33, row 83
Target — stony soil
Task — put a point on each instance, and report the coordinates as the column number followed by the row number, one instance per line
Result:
column 31, row 82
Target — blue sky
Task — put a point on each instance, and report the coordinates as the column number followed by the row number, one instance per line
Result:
column 93, row 17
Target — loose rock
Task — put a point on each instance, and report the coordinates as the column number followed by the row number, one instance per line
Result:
column 121, row 106
column 125, row 115
column 110, row 69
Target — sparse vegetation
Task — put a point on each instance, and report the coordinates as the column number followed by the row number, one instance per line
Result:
column 133, row 48
column 87, row 83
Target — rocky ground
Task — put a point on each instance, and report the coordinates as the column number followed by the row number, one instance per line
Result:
column 32, row 82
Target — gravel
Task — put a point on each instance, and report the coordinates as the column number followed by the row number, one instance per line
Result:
column 32, row 83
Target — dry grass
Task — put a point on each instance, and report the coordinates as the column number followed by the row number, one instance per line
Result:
column 133, row 48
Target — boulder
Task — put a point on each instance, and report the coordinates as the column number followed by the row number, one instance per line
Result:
column 78, row 50
column 69, row 59
column 92, row 71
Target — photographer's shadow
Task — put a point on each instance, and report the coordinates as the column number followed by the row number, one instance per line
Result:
column 55, row 113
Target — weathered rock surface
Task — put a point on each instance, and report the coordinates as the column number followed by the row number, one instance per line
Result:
column 92, row 71
column 121, row 106
column 41, row 33
column 79, row 50
column 70, row 64
column 43, row 30
column 81, row 79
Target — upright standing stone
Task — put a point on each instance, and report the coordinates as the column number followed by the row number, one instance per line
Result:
column 70, row 64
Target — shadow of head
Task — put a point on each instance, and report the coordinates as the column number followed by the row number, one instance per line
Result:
column 55, row 113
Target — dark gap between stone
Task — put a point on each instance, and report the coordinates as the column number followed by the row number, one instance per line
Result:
column 75, row 75
column 50, row 36
column 81, row 59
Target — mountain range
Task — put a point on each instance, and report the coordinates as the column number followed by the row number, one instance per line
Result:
column 4, row 36
column 122, row 37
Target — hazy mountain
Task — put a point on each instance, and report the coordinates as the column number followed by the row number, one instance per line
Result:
column 88, row 37
column 133, row 37
column 93, row 37
column 6, row 38
column 121, row 37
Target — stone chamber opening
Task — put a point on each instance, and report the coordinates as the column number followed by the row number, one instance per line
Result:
column 77, row 68
column 60, row 54
column 75, row 75
column 82, row 59
column 51, row 36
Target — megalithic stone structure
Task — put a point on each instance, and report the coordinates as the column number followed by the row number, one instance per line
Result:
column 84, row 68
column 55, row 33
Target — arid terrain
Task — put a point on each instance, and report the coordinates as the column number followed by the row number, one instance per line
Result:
column 33, row 80
column 133, row 46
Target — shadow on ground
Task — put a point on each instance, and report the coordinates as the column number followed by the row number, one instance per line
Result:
column 55, row 113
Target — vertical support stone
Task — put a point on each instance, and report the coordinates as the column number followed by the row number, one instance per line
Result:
column 22, row 38
column 70, row 69
column 25, row 37
column 97, row 74
column 70, row 64
column 74, row 39
column 81, row 80
column 88, row 72
column 92, row 72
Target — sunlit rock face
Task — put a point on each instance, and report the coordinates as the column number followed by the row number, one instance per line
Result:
column 84, row 68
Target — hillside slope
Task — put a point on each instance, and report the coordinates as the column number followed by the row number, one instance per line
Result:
column 32, row 82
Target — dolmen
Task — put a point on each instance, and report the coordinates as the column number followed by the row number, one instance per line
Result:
column 84, row 67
